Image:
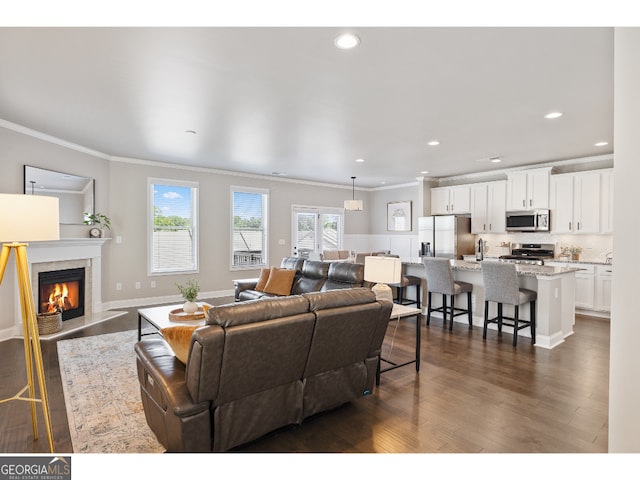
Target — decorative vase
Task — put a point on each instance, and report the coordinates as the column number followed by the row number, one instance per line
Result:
column 575, row 257
column 190, row 307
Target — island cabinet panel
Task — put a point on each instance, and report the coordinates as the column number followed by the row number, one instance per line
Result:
column 555, row 306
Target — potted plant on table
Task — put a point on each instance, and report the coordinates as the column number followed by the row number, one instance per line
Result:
column 189, row 292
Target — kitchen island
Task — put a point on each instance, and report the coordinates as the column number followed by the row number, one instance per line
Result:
column 555, row 306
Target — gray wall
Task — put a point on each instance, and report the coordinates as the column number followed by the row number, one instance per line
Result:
column 128, row 261
column 121, row 193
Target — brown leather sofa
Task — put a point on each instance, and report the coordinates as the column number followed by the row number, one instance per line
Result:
column 260, row 365
column 311, row 276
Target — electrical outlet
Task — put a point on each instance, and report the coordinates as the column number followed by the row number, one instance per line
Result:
column 118, row 286
column 137, row 285
column 153, row 284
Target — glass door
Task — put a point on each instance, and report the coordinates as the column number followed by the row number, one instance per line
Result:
column 315, row 230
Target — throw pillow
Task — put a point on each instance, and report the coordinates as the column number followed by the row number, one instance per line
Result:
column 179, row 339
column 280, row 281
column 262, row 280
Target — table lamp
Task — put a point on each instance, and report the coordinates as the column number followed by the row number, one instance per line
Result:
column 28, row 218
column 382, row 271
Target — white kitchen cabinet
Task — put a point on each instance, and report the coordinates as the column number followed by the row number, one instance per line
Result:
column 604, row 277
column 488, row 207
column 479, row 208
column 451, row 200
column 606, row 201
column 528, row 189
column 575, row 202
column 593, row 285
column 585, row 288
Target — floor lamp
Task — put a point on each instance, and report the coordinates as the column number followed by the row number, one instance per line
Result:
column 28, row 218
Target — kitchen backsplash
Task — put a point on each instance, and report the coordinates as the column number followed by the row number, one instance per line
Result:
column 594, row 247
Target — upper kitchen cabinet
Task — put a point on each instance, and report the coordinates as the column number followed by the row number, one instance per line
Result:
column 528, row 189
column 606, row 201
column 576, row 202
column 451, row 200
column 488, row 207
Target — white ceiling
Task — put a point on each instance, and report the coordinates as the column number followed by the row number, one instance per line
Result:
column 265, row 100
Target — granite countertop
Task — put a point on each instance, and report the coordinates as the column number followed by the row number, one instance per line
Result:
column 522, row 269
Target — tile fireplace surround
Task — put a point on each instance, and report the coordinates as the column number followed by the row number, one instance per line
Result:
column 70, row 253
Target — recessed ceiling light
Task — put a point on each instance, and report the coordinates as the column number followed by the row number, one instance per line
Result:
column 279, row 174
column 553, row 115
column 424, row 172
column 192, row 132
column 359, row 160
column 495, row 159
column 433, row 143
column 601, row 144
column 346, row 41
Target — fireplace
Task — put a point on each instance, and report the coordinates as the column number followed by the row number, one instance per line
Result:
column 63, row 291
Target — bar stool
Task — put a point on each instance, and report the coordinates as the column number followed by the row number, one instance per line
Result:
column 501, row 286
column 440, row 280
column 405, row 282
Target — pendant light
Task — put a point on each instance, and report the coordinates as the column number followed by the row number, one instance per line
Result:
column 353, row 204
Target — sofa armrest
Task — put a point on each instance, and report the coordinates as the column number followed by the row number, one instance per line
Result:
column 180, row 424
column 242, row 284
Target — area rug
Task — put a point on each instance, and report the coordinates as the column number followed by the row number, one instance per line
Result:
column 102, row 395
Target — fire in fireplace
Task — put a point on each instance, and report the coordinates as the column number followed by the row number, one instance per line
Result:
column 62, row 291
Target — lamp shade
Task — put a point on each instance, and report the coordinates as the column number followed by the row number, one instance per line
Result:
column 382, row 269
column 354, row 205
column 28, row 218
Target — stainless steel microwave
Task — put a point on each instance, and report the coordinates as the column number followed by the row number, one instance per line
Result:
column 528, row 221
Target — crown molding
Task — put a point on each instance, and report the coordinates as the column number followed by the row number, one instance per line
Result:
column 478, row 176
column 51, row 139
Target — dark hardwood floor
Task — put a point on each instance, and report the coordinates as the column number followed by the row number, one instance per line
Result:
column 469, row 396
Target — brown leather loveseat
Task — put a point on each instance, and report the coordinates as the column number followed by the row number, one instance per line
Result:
column 260, row 365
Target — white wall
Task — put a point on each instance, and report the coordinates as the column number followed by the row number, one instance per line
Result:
column 624, row 376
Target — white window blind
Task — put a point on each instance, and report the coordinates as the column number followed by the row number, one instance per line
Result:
column 248, row 228
column 173, row 233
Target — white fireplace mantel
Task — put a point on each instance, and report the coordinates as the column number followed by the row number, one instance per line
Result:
column 65, row 249
column 66, row 253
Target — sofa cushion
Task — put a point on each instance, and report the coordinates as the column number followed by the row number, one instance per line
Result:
column 280, row 281
column 179, row 339
column 253, row 311
column 344, row 275
column 263, row 279
column 314, row 274
column 292, row 263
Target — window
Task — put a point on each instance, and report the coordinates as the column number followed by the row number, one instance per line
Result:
column 248, row 227
column 317, row 229
column 173, row 226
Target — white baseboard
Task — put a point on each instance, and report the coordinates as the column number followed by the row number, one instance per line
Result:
column 142, row 302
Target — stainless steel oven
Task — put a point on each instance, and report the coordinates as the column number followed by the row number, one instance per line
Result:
column 528, row 221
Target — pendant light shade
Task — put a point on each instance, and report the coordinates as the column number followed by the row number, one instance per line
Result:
column 353, row 204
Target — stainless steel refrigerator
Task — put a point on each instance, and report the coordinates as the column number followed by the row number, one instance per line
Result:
column 447, row 236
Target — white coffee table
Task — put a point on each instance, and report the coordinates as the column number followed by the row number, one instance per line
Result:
column 158, row 317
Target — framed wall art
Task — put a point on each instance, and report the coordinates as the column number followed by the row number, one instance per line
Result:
column 399, row 216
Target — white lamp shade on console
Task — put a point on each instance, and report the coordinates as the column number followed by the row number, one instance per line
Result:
column 28, row 218
column 382, row 271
